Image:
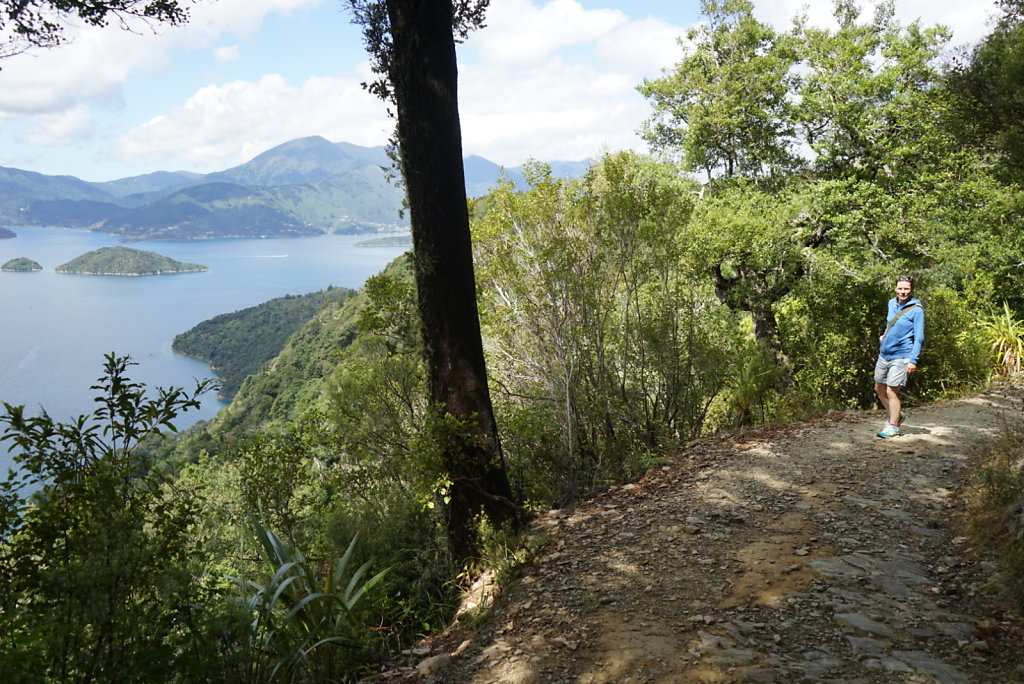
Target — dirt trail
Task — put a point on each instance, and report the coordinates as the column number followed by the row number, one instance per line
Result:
column 809, row 553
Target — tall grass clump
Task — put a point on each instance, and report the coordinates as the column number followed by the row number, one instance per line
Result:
column 996, row 509
column 1004, row 336
column 308, row 624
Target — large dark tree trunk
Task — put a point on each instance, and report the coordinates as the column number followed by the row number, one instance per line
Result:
column 424, row 80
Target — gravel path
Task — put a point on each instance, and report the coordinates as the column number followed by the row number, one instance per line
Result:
column 807, row 553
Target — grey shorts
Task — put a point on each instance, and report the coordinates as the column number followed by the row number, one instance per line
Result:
column 892, row 373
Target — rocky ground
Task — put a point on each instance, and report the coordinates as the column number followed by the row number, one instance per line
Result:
column 808, row 553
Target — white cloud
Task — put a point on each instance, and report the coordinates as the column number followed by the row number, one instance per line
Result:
column 96, row 63
column 226, row 53
column 660, row 41
column 58, row 130
column 226, row 124
column 520, row 32
column 51, row 81
column 968, row 20
column 555, row 81
column 558, row 111
column 552, row 81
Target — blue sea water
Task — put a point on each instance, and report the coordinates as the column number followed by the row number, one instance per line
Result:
column 55, row 328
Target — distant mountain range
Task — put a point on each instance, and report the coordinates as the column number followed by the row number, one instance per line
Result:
column 307, row 186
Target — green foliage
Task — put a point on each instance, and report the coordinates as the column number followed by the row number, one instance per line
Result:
column 389, row 317
column 296, row 379
column 623, row 313
column 401, row 533
column 1004, row 335
column 376, row 398
column 278, row 480
column 320, row 373
column 756, row 239
column 806, row 249
column 601, row 351
column 351, row 462
column 386, row 478
column 989, row 109
column 952, row 363
column 867, row 95
column 237, row 344
column 724, row 106
column 95, row 549
column 995, row 509
column 861, row 97
column 307, row 625
column 125, row 261
column 831, row 327
column 750, row 384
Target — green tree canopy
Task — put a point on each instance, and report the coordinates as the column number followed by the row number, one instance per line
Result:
column 867, row 94
column 991, row 85
column 724, row 106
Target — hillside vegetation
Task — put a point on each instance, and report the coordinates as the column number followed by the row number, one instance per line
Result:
column 299, row 379
column 126, row 261
column 628, row 316
column 237, row 344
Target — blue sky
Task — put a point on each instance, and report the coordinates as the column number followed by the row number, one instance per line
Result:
column 546, row 79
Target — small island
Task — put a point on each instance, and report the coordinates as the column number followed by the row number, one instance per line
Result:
column 7, row 233
column 21, row 264
column 125, row 261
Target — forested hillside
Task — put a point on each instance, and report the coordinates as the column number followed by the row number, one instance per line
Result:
column 299, row 377
column 237, row 344
column 738, row 276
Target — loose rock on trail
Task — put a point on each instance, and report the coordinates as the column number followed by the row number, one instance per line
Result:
column 813, row 552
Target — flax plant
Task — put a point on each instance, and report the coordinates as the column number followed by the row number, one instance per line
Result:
column 305, row 628
column 1005, row 336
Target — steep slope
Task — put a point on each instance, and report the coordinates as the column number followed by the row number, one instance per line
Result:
column 357, row 201
column 149, row 183
column 296, row 378
column 237, row 344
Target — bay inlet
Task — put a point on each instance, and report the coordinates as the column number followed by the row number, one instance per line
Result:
column 56, row 328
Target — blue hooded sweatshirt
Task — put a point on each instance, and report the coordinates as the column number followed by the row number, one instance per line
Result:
column 904, row 339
